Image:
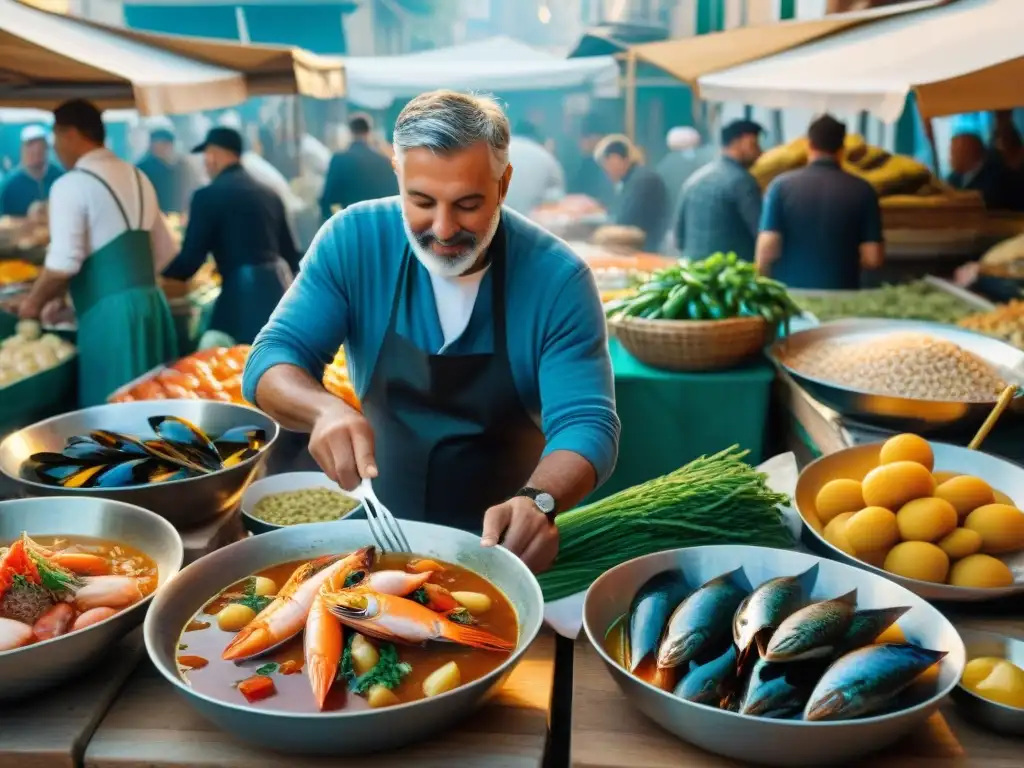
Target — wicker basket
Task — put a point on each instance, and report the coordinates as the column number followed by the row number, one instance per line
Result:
column 691, row 345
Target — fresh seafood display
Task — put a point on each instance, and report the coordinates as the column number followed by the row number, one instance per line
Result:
column 210, row 374
column 29, row 351
column 774, row 651
column 178, row 450
column 904, row 517
column 367, row 631
column 54, row 586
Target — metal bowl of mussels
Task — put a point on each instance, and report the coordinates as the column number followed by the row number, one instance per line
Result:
column 772, row 656
column 187, row 460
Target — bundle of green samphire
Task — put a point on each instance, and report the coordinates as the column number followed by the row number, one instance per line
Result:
column 712, row 500
column 719, row 287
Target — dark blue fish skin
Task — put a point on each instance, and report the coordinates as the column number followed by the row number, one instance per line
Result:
column 702, row 621
column 866, row 680
column 649, row 613
column 769, row 605
column 867, row 624
column 706, row 683
column 779, row 690
column 813, row 631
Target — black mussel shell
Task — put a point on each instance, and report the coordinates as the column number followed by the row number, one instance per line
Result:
column 237, row 438
column 242, row 454
column 85, row 477
column 170, row 474
column 60, row 459
column 187, row 438
column 47, row 472
column 129, row 473
column 116, row 440
column 89, row 452
column 173, row 454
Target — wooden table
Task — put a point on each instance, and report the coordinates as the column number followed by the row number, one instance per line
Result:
column 608, row 732
column 52, row 729
column 151, row 726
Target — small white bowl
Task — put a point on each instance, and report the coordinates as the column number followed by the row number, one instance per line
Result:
column 288, row 481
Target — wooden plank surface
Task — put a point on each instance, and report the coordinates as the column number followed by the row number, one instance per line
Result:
column 607, row 732
column 152, row 726
column 52, row 729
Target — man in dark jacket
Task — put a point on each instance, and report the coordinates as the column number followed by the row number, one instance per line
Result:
column 976, row 168
column 642, row 199
column 587, row 178
column 242, row 223
column 357, row 174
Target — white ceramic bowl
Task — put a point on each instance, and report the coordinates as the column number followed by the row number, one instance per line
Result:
column 758, row 740
column 288, row 481
column 854, row 463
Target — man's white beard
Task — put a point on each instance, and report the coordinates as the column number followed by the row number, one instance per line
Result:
column 451, row 266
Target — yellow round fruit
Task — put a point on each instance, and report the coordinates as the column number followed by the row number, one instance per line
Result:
column 1001, row 527
column 892, row 635
column 872, row 529
column 835, row 533
column 907, row 448
column 837, row 497
column 980, row 572
column 927, row 519
column 942, row 476
column 918, row 560
column 893, row 485
column 960, row 543
column 1002, row 498
column 1004, row 685
column 966, row 494
column 977, row 670
column 875, row 557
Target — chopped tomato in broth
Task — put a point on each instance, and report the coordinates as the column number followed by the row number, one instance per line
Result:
column 285, row 665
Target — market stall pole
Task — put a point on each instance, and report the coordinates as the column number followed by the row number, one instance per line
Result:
column 609, row 732
column 151, row 726
column 52, row 730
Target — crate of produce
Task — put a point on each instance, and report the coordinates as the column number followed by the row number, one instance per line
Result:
column 700, row 316
column 38, row 376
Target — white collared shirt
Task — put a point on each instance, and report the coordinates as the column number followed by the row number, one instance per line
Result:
column 84, row 217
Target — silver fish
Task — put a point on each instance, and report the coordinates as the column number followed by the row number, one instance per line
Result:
column 767, row 606
column 868, row 624
column 649, row 612
column 866, row 680
column 702, row 620
column 779, row 690
column 812, row 632
column 706, row 683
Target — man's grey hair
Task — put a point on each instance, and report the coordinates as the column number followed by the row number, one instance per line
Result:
column 446, row 121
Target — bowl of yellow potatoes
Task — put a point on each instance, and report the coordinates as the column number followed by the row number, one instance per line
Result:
column 991, row 691
column 942, row 520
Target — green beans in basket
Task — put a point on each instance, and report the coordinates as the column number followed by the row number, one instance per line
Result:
column 719, row 287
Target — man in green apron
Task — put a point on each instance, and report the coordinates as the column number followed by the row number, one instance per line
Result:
column 107, row 238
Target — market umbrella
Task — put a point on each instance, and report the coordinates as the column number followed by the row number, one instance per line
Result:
column 48, row 57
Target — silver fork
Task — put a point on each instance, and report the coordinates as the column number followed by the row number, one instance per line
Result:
column 384, row 526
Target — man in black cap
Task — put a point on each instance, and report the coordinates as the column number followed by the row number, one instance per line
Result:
column 169, row 172
column 720, row 204
column 242, row 223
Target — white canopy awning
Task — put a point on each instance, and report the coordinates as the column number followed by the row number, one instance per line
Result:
column 499, row 64
column 964, row 56
column 48, row 58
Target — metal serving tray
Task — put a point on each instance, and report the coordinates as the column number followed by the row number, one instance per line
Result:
column 893, row 412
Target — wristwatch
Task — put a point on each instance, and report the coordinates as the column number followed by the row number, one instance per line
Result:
column 545, row 501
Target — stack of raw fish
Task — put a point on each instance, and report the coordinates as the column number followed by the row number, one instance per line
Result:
column 769, row 651
column 210, row 374
column 180, row 450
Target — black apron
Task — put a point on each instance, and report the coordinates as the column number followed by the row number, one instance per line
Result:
column 452, row 436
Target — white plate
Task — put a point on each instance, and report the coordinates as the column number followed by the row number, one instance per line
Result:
column 288, row 481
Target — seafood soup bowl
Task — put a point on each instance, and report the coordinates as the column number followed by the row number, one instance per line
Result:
column 855, row 463
column 760, row 740
column 337, row 732
column 184, row 503
column 27, row 670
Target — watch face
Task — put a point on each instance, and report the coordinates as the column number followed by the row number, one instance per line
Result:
column 546, row 502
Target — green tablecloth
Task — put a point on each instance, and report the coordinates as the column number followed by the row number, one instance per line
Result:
column 669, row 419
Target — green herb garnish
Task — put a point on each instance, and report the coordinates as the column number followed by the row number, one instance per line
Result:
column 54, row 578
column 250, row 599
column 268, row 669
column 388, row 671
column 182, row 647
column 354, row 578
column 461, row 616
column 420, row 596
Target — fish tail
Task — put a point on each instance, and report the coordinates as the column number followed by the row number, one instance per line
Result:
column 850, row 598
column 808, row 579
column 740, row 580
column 475, row 638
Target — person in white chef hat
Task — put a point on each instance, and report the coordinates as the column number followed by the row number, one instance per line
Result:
column 32, row 179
